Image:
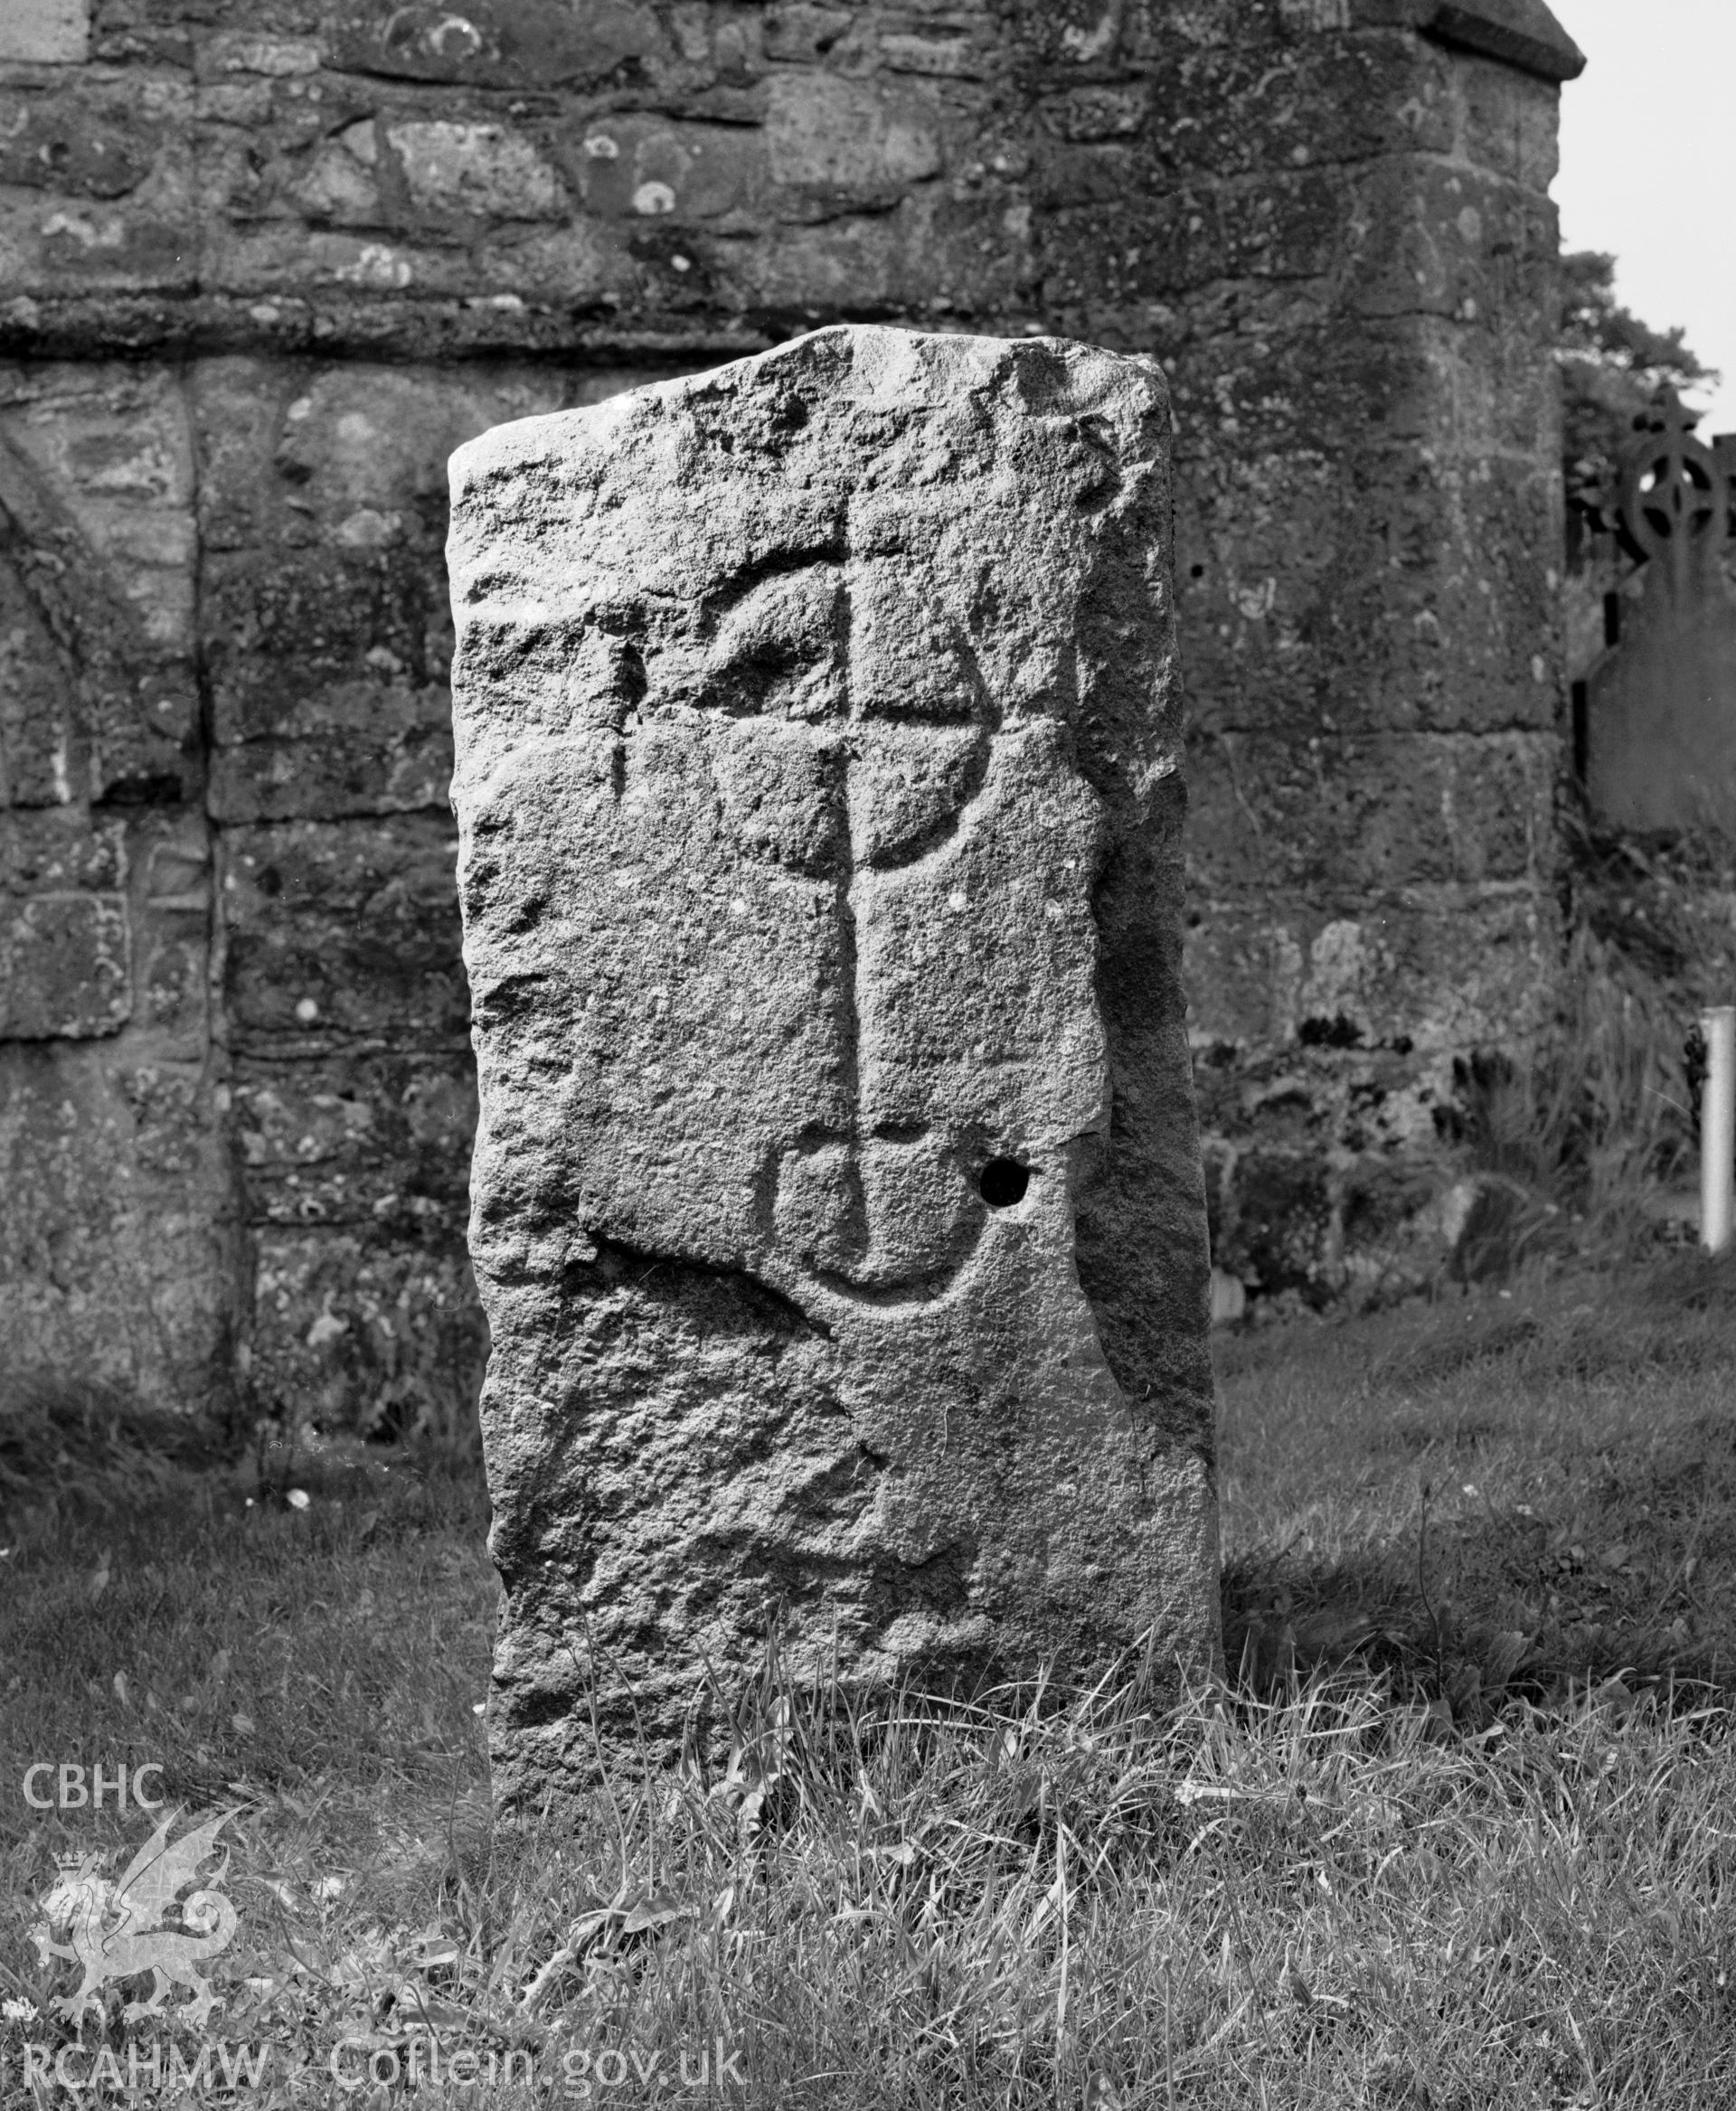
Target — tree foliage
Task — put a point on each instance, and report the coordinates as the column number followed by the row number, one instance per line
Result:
column 1612, row 363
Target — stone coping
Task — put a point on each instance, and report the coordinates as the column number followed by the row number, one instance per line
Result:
column 1523, row 32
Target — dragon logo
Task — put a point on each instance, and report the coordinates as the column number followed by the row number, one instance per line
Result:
column 118, row 1931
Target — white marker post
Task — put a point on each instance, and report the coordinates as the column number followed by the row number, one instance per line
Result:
column 1717, row 1126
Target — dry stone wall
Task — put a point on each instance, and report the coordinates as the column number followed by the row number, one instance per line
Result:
column 261, row 268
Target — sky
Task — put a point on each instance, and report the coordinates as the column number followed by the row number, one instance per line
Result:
column 1648, row 168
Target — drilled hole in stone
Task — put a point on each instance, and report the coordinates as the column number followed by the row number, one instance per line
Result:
column 1002, row 1182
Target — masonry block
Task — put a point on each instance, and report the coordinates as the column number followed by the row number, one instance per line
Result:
column 838, row 1210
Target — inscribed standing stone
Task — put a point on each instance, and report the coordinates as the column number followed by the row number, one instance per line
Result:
column 837, row 1200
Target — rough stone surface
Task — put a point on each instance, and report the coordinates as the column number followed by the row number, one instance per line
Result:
column 117, row 1216
column 837, row 1197
column 263, row 267
column 50, row 32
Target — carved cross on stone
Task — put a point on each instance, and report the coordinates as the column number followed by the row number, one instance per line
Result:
column 837, row 1207
column 884, row 1193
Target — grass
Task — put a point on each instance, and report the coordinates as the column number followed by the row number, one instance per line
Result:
column 1462, row 1831
column 1603, row 1110
column 1510, row 1494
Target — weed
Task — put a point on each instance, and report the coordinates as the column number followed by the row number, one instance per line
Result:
column 1458, row 1836
column 1605, row 1108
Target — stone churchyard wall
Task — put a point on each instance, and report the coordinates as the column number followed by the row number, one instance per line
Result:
column 263, row 267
